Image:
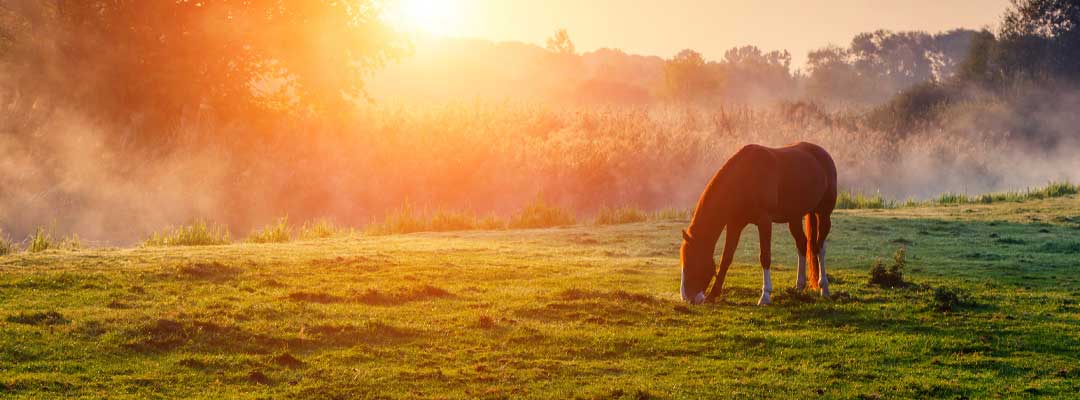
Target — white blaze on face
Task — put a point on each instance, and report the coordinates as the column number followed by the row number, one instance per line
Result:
column 695, row 299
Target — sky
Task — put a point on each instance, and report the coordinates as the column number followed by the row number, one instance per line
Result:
column 662, row 28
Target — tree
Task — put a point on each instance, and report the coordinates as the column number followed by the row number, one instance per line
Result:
column 751, row 75
column 560, row 43
column 236, row 59
column 1040, row 39
column 688, row 78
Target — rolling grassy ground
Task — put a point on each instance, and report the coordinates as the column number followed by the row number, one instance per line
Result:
column 583, row 311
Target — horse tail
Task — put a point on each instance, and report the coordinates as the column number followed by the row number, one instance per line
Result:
column 812, row 250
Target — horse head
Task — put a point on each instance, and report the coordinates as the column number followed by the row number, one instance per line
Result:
column 698, row 268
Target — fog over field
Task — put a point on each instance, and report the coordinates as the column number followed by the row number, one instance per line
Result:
column 113, row 148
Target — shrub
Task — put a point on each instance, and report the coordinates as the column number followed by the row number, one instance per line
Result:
column 541, row 215
column 198, row 233
column 950, row 299
column 891, row 276
column 278, row 232
column 622, row 215
column 322, row 229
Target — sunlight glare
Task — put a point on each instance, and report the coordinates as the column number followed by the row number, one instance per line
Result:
column 435, row 17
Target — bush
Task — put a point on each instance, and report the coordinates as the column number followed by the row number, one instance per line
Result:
column 622, row 215
column 950, row 299
column 541, row 215
column 891, row 276
column 199, row 233
column 278, row 232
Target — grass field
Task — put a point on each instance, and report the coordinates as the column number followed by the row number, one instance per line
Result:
column 585, row 311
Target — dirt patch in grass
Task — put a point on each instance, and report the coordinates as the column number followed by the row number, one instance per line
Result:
column 349, row 334
column 38, row 318
column 258, row 377
column 287, row 360
column 620, row 295
column 167, row 334
column 315, row 297
column 400, row 295
column 212, row 271
column 1061, row 247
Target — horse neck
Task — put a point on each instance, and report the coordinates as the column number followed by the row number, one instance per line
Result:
column 709, row 220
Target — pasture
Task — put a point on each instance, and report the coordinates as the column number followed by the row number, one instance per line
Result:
column 989, row 309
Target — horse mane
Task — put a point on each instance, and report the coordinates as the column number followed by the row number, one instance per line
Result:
column 705, row 222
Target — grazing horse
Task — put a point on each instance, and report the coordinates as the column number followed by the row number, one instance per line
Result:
column 761, row 185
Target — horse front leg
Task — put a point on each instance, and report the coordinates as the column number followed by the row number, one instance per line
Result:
column 731, row 241
column 765, row 238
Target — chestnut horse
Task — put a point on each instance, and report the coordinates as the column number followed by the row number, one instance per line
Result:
column 761, row 185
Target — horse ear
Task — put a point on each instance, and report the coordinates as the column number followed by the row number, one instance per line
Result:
column 686, row 235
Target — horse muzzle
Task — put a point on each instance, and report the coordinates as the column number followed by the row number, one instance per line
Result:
column 695, row 299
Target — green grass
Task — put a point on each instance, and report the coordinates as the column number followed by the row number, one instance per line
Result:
column 849, row 200
column 572, row 312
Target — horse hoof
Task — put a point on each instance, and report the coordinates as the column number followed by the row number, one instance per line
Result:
column 764, row 301
column 825, row 292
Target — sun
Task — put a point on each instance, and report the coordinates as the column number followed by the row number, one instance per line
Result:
column 435, row 17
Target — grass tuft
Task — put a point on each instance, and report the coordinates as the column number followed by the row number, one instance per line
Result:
column 540, row 214
column 40, row 240
column 278, row 232
column 621, row 215
column 6, row 245
column 198, row 233
column 322, row 229
column 951, row 299
column 891, row 276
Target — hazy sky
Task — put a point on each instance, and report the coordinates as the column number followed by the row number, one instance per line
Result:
column 664, row 27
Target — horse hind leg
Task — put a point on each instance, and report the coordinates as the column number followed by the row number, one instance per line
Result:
column 797, row 233
column 824, row 226
column 765, row 238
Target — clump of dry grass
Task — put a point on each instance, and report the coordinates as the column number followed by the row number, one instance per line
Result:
column 621, row 215
column 6, row 245
column 670, row 214
column 540, row 214
column 278, row 232
column 408, row 219
column 198, row 233
column 322, row 229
